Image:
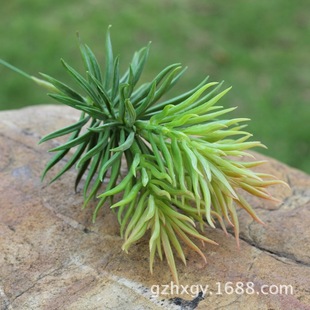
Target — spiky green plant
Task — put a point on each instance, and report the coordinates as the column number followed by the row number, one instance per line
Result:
column 180, row 153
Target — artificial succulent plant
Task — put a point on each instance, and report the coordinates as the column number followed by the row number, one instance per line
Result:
column 183, row 156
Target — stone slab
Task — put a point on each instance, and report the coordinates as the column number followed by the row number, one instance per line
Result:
column 53, row 257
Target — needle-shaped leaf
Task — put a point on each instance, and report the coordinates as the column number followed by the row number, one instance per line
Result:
column 165, row 86
column 97, row 147
column 66, row 130
column 175, row 242
column 68, row 145
column 108, row 60
column 178, row 163
column 119, row 187
column 168, row 253
column 167, row 157
column 115, row 81
column 72, row 161
column 140, row 209
column 129, row 212
column 91, row 62
column 178, row 99
column 81, row 81
column 127, row 143
column 103, row 95
column 63, row 88
column 139, row 62
column 71, row 102
column 94, row 112
column 156, row 152
column 106, row 165
column 126, row 200
column 130, row 113
column 186, row 104
column 147, row 100
column 92, row 170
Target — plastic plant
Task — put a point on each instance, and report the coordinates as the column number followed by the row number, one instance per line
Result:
column 182, row 154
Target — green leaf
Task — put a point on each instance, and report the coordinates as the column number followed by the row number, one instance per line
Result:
column 201, row 108
column 159, row 192
column 126, row 145
column 148, row 99
column 115, row 84
column 65, row 130
column 114, row 158
column 92, row 170
column 130, row 113
column 81, row 171
column 135, row 164
column 175, row 242
column 139, row 62
column 108, row 61
column 81, row 81
column 68, row 101
column 91, row 63
column 208, row 116
column 72, row 160
column 168, row 253
column 94, row 112
column 120, row 187
column 168, row 158
column 165, row 86
column 156, row 152
column 178, row 163
column 133, row 193
column 144, row 177
column 178, row 99
column 59, row 156
column 56, row 158
column 68, row 145
column 136, row 217
column 155, row 238
column 63, row 88
column 103, row 95
column 191, row 156
column 121, row 105
column 96, row 148
column 129, row 212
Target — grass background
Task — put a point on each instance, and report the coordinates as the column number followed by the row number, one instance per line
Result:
column 260, row 47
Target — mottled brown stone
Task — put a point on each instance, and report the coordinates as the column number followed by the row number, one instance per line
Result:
column 53, row 257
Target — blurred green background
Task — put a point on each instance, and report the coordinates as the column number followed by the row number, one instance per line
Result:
column 260, row 47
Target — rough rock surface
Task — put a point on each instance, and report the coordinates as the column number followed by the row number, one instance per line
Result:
column 53, row 257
